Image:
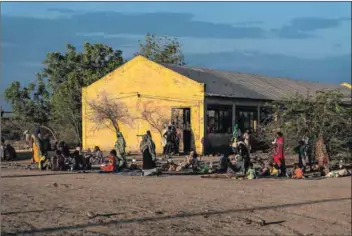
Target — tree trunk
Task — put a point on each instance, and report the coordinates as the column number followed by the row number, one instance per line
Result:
column 321, row 155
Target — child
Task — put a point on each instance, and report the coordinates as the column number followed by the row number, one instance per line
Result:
column 251, row 172
column 233, row 144
column 192, row 161
column 265, row 170
column 109, row 163
column 239, row 162
column 273, row 171
column 298, row 172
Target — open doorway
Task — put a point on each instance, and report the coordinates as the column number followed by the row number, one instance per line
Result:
column 181, row 119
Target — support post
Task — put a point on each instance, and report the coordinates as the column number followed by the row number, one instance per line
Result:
column 233, row 115
column 258, row 117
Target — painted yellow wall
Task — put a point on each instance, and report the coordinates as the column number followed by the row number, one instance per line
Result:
column 160, row 89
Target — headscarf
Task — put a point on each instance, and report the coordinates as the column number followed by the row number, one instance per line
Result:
column 148, row 143
column 120, row 143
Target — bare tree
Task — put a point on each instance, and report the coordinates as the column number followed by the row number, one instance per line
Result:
column 108, row 113
column 154, row 118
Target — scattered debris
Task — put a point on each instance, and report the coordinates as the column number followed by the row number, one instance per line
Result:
column 91, row 214
column 338, row 173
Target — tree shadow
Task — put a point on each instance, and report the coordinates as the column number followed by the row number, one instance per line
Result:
column 178, row 216
column 31, row 211
column 47, row 174
column 275, row 222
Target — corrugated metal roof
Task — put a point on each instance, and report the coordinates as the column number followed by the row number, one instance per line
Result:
column 239, row 85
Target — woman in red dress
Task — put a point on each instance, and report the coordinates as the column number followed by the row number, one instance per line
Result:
column 279, row 152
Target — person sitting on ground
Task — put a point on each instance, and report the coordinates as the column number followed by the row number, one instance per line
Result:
column 265, row 170
column 236, row 161
column 63, row 148
column 223, row 163
column 98, row 153
column 251, row 172
column 109, row 163
column 9, row 153
column 58, row 162
column 298, row 172
column 273, row 170
column 79, row 162
column 192, row 160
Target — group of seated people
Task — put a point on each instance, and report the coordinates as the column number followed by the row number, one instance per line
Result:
column 64, row 160
column 238, row 161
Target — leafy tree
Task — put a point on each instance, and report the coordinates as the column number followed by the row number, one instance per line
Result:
column 30, row 104
column 68, row 73
column 56, row 96
column 162, row 49
column 320, row 117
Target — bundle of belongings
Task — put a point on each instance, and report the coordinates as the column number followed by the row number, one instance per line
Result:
column 191, row 162
column 338, row 173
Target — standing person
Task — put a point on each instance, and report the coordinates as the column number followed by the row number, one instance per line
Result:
column 168, row 137
column 176, row 141
column 120, row 146
column 279, row 158
column 240, row 135
column 236, row 132
column 38, row 151
column 46, row 142
column 246, row 138
column 147, row 148
column 234, row 138
column 301, row 156
column 244, row 153
column 307, row 148
column 163, row 139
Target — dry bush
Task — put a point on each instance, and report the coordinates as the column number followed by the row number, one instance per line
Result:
column 323, row 115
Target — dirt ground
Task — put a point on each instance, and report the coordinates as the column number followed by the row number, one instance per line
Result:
column 54, row 203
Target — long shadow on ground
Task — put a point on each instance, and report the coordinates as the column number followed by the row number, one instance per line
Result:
column 177, row 216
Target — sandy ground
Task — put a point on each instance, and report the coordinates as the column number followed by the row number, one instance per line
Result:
column 54, row 203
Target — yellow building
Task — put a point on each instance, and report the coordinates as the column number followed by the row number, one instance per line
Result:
column 143, row 85
column 203, row 103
